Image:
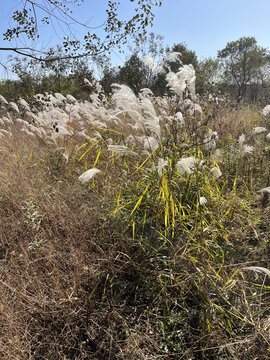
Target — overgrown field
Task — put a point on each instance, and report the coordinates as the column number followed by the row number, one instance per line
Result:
column 134, row 228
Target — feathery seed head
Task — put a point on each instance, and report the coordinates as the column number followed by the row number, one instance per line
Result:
column 216, row 172
column 258, row 130
column 247, row 149
column 202, row 201
column 266, row 110
column 186, row 165
column 161, row 165
column 174, row 57
column 121, row 150
column 88, row 175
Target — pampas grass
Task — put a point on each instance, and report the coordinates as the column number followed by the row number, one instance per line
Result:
column 88, row 175
column 156, row 258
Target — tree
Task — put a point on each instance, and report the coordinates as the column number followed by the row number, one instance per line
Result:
column 207, row 76
column 133, row 73
column 65, row 76
column 149, row 45
column 110, row 76
column 31, row 13
column 242, row 61
column 188, row 57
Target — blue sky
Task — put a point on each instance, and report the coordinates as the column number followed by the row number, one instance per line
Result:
column 204, row 25
column 207, row 25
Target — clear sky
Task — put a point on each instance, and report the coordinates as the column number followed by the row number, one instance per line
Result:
column 207, row 25
column 204, row 25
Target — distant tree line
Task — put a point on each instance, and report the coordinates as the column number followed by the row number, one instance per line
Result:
column 241, row 71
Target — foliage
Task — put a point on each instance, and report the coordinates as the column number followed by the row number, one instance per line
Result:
column 62, row 76
column 133, row 73
column 207, row 76
column 30, row 14
column 242, row 61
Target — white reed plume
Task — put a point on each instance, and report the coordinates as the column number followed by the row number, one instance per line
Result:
column 202, row 201
column 14, row 106
column 161, row 165
column 244, row 148
column 266, row 110
column 265, row 190
column 179, row 118
column 149, row 62
column 241, row 140
column 130, row 140
column 95, row 100
column 98, row 87
column 20, row 121
column 60, row 97
column 88, row 175
column 4, row 133
column 59, row 116
column 196, row 109
column 124, row 99
column 159, row 69
column 247, row 149
column 53, row 101
column 186, row 75
column 258, row 269
column 71, row 99
column 83, row 134
column 30, row 116
column 146, row 93
column 121, row 150
column 210, row 139
column 216, row 172
column 28, row 132
column 148, row 142
column 7, row 119
column 174, row 57
column 151, row 123
column 87, row 82
column 183, row 80
column 258, row 130
column 186, row 165
column 174, row 84
column 98, row 124
column 3, row 100
column 147, row 107
column 24, row 104
column 61, row 132
column 39, row 131
column 268, row 136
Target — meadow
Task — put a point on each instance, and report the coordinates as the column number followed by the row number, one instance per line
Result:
column 134, row 227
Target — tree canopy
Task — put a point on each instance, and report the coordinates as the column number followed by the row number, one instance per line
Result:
column 30, row 14
column 242, row 61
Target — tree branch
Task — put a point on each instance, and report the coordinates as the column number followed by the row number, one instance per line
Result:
column 23, row 52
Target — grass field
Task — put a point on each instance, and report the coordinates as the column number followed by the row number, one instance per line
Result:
column 134, row 228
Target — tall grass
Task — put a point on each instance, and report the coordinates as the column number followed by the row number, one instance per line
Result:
column 125, row 234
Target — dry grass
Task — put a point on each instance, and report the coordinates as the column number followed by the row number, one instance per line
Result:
column 235, row 122
column 75, row 284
